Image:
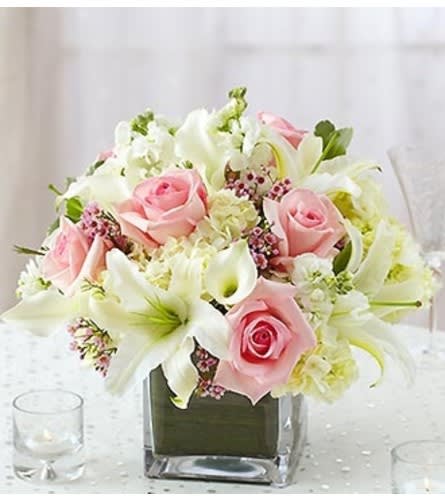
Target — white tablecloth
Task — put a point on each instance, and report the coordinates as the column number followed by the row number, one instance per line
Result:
column 347, row 452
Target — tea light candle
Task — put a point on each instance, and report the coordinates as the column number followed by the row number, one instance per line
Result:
column 418, row 467
column 48, row 445
column 48, row 436
column 425, row 485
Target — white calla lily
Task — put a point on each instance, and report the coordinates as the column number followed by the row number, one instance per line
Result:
column 155, row 327
column 231, row 274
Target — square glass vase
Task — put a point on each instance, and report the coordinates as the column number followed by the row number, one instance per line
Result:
column 222, row 440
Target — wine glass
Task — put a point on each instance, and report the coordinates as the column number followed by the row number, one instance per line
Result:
column 420, row 171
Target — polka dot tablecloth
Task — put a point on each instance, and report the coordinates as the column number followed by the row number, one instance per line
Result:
column 348, row 442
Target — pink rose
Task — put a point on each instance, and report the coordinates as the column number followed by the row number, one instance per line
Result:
column 169, row 205
column 73, row 259
column 270, row 334
column 305, row 222
column 283, row 127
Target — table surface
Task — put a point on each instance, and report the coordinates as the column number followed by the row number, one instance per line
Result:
column 348, row 442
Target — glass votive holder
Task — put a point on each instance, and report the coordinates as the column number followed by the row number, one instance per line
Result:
column 48, row 441
column 418, row 467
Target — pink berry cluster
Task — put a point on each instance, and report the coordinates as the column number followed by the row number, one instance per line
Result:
column 263, row 246
column 206, row 365
column 92, row 343
column 96, row 222
column 279, row 189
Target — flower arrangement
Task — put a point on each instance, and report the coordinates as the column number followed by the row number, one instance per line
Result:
column 240, row 254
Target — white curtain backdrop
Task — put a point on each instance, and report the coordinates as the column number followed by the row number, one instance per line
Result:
column 68, row 75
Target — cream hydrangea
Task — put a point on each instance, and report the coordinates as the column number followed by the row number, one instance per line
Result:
column 229, row 217
column 159, row 268
column 365, row 211
column 325, row 373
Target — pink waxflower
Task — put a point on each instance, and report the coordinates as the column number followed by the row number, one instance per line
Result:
column 104, row 155
column 73, row 258
column 269, row 335
column 168, row 205
column 283, row 127
column 305, row 222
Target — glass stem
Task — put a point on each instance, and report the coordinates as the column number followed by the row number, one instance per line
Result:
column 432, row 323
column 48, row 473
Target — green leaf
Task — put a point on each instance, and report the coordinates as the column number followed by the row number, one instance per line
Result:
column 140, row 122
column 27, row 251
column 335, row 142
column 341, row 259
column 74, row 209
column 338, row 143
column 55, row 190
column 324, row 129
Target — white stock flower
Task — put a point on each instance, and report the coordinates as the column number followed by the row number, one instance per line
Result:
column 314, row 282
column 31, row 280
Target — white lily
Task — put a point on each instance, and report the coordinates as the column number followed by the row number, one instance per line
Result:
column 354, row 320
column 378, row 339
column 155, row 327
column 395, row 297
column 43, row 313
column 284, row 153
column 372, row 272
column 106, row 186
column 327, row 183
column 338, row 175
column 308, row 153
column 197, row 141
column 231, row 274
column 355, row 238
